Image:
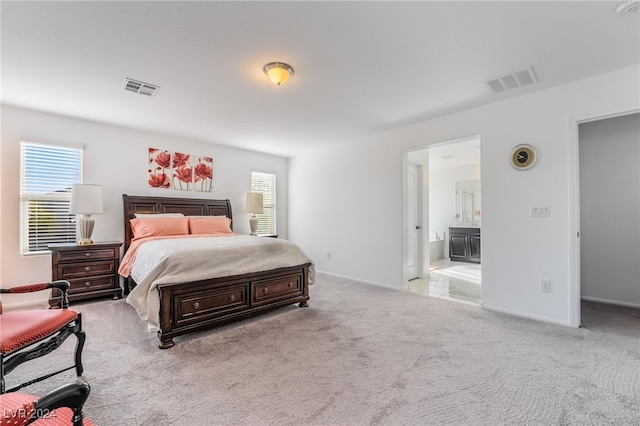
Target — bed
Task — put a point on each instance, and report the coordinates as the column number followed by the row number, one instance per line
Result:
column 194, row 305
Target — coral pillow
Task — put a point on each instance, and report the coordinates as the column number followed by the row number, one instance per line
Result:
column 157, row 215
column 209, row 225
column 159, row 226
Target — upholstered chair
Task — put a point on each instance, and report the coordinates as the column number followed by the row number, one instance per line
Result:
column 60, row 407
column 26, row 335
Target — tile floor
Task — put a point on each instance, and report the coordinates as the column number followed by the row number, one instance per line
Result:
column 459, row 281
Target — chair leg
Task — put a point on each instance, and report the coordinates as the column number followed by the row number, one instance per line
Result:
column 80, row 334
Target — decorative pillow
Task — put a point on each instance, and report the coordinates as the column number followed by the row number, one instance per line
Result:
column 160, row 226
column 156, row 215
column 209, row 225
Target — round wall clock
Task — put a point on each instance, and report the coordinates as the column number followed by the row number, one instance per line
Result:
column 524, row 157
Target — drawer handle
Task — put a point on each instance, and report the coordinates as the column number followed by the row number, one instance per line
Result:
column 87, row 283
column 290, row 284
column 196, row 305
column 264, row 290
column 87, row 254
column 232, row 297
column 87, row 268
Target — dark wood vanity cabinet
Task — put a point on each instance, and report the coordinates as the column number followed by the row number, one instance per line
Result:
column 464, row 244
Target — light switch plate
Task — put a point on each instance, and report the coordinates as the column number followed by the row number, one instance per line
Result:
column 540, row 211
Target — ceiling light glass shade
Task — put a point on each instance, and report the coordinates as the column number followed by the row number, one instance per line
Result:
column 278, row 72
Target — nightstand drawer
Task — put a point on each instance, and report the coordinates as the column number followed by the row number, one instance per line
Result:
column 85, row 269
column 82, row 255
column 91, row 284
column 265, row 291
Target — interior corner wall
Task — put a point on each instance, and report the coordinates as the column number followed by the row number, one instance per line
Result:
column 116, row 158
column 356, row 211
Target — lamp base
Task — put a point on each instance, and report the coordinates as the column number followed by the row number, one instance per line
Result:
column 85, row 226
column 253, row 224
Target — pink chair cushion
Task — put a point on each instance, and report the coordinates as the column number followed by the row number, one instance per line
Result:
column 17, row 408
column 22, row 328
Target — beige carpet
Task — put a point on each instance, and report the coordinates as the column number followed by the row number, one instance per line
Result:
column 361, row 355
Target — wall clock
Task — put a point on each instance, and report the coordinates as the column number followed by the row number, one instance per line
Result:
column 523, row 157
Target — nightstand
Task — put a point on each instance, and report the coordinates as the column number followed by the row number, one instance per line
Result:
column 92, row 270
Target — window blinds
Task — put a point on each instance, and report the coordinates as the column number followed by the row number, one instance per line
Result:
column 266, row 184
column 46, row 175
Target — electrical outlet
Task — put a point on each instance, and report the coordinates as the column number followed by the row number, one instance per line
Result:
column 545, row 285
column 329, row 255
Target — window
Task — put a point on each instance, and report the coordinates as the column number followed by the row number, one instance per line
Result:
column 266, row 184
column 46, row 174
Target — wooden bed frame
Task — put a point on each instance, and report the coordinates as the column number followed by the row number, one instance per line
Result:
column 199, row 305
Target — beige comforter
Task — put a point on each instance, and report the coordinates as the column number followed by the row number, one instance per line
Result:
column 190, row 259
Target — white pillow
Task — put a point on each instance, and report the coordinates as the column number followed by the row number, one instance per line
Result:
column 152, row 215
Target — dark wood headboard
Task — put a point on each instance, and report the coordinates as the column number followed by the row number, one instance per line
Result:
column 188, row 206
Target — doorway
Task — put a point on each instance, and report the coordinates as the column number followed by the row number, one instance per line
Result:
column 609, row 210
column 451, row 197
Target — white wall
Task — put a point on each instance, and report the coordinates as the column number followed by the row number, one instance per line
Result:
column 117, row 159
column 610, row 210
column 347, row 199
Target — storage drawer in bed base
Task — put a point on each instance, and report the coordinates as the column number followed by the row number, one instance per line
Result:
column 199, row 305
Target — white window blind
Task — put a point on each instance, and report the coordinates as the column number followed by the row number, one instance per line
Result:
column 266, row 184
column 46, row 175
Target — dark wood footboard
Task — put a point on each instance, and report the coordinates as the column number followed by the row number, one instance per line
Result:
column 200, row 305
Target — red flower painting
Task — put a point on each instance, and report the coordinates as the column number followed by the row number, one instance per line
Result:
column 180, row 159
column 159, row 181
column 159, row 162
column 182, row 171
column 163, row 159
column 177, row 170
column 203, row 172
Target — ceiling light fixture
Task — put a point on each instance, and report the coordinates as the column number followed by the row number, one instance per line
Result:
column 278, row 72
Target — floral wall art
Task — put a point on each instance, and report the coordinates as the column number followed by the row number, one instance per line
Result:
column 159, row 167
column 203, row 174
column 180, row 171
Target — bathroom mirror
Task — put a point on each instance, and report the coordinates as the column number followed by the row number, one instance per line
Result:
column 468, row 203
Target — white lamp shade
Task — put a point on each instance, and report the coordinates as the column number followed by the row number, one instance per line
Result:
column 254, row 203
column 86, row 199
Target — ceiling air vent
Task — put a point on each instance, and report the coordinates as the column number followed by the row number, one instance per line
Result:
column 139, row 87
column 512, row 80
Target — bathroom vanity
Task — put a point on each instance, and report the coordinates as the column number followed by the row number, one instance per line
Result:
column 464, row 244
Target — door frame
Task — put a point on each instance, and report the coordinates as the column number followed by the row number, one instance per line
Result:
column 574, row 207
column 405, row 204
column 420, row 256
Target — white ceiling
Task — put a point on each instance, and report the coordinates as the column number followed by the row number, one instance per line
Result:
column 360, row 67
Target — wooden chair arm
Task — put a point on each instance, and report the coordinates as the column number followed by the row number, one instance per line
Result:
column 61, row 285
column 72, row 395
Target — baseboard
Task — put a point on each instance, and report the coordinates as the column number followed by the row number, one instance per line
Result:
column 611, row 302
column 525, row 315
column 375, row 283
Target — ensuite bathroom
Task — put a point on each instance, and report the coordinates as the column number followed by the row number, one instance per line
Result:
column 453, row 189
